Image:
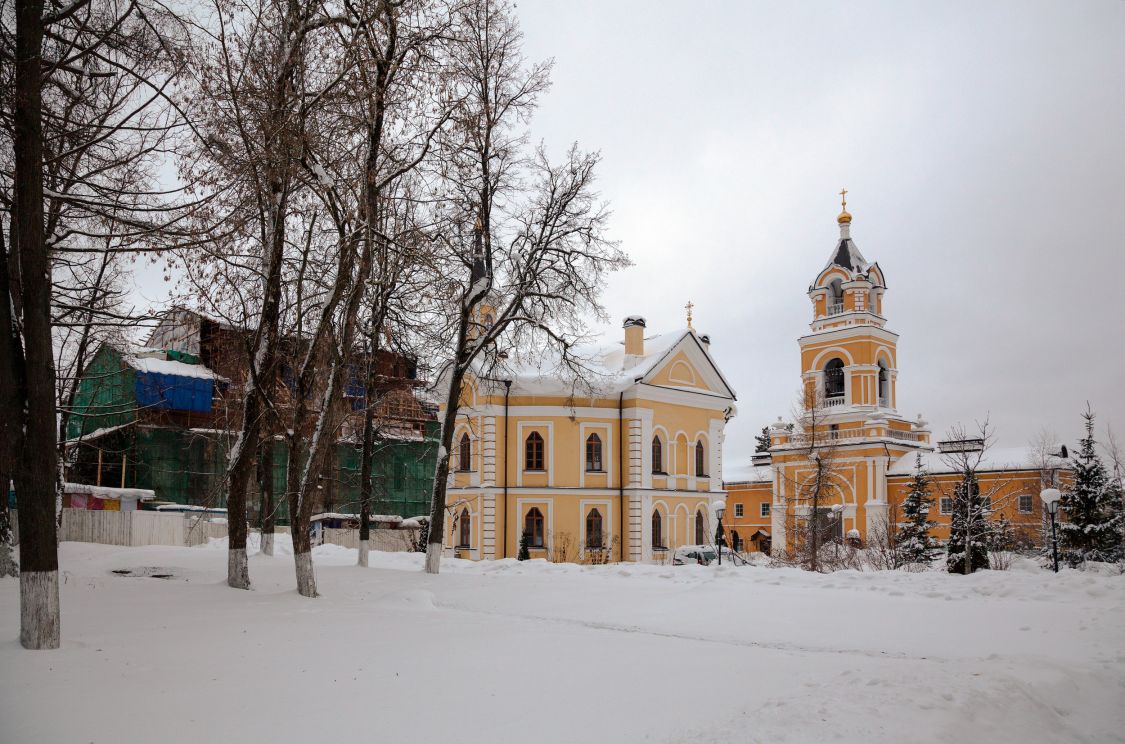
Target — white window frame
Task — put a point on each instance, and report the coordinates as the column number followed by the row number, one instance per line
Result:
column 945, row 505
column 738, row 510
column 764, row 509
column 1030, row 503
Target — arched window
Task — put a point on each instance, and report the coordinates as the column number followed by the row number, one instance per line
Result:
column 835, row 297
column 657, row 456
column 533, row 452
column 834, row 378
column 700, row 459
column 464, row 529
column 464, row 453
column 699, row 522
column 594, row 530
column 593, row 454
column 533, row 527
column 884, row 385
column 657, row 529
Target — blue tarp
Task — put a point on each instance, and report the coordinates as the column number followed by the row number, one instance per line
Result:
column 155, row 390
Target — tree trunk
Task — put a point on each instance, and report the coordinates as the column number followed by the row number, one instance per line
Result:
column 36, row 474
column 441, row 473
column 367, row 454
column 8, row 565
column 265, row 488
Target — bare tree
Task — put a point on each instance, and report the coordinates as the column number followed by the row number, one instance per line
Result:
column 524, row 236
column 809, row 516
column 88, row 119
column 253, row 100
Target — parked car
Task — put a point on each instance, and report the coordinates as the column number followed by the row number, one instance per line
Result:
column 702, row 555
column 691, row 555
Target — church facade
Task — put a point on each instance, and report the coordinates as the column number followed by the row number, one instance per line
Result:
column 852, row 437
column 623, row 466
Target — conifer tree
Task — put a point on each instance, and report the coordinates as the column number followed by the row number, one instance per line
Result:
column 1092, row 521
column 914, row 541
column 762, row 441
column 968, row 523
column 524, row 553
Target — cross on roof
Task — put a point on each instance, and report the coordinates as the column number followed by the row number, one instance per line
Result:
column 843, row 198
column 688, row 307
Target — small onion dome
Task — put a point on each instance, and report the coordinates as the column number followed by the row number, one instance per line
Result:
column 844, row 218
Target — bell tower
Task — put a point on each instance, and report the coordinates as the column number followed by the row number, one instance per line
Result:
column 849, row 360
column 849, row 369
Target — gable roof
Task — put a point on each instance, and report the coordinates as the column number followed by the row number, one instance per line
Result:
column 607, row 368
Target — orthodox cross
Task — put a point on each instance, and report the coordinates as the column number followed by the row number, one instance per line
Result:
column 688, row 307
column 843, row 198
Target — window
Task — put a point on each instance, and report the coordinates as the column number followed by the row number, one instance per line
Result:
column 1025, row 504
column 594, row 530
column 533, row 527
column 700, row 457
column 593, row 454
column 945, row 506
column 464, row 529
column 657, row 530
column 533, row 452
column 699, row 537
column 834, row 379
column 835, row 297
column 764, row 510
column 738, row 510
column 884, row 386
column 465, row 454
column 657, row 456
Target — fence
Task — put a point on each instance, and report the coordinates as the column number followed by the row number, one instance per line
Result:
column 392, row 541
column 136, row 528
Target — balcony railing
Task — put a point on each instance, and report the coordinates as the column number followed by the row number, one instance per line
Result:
column 906, row 436
column 835, row 308
column 837, row 400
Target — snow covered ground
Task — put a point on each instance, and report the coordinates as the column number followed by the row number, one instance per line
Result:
column 549, row 653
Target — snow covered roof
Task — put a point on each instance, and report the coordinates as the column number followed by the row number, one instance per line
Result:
column 140, row 361
column 391, row 518
column 606, row 367
column 105, row 492
column 993, row 459
column 745, row 471
column 847, row 256
column 101, row 432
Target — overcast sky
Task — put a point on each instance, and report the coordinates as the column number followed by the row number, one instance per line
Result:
column 982, row 146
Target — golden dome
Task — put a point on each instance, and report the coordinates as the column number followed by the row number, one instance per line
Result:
column 844, row 218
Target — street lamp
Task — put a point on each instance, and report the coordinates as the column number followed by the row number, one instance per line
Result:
column 1050, row 498
column 719, row 506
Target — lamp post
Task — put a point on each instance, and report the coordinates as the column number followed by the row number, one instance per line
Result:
column 719, row 506
column 1050, row 498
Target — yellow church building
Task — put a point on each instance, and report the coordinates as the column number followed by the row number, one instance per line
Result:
column 622, row 466
column 849, row 372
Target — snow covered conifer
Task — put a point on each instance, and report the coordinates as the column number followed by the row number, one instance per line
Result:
column 968, row 524
column 914, row 541
column 1091, row 526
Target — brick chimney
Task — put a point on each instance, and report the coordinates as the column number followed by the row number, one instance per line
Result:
column 635, row 336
